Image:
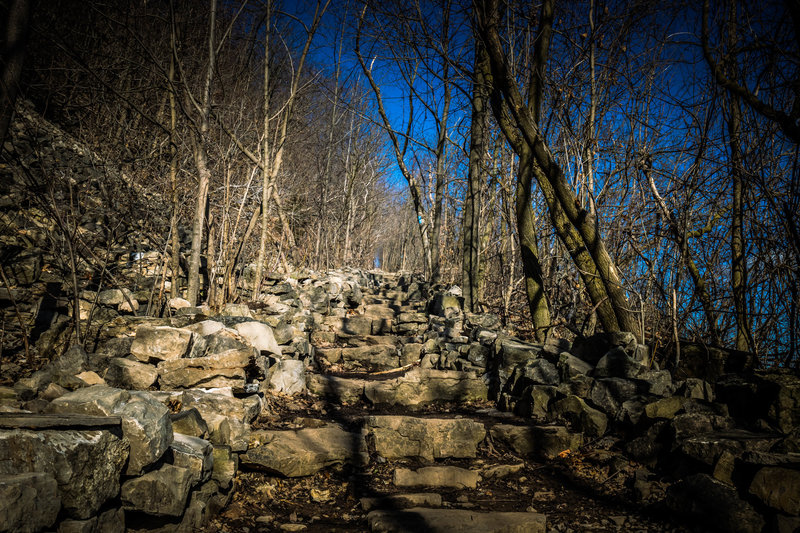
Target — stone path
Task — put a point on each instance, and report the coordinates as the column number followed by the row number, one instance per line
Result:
column 359, row 402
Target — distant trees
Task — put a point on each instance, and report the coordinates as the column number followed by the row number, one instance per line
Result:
column 572, row 165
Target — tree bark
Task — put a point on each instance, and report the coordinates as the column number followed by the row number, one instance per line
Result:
column 470, row 272
column 12, row 58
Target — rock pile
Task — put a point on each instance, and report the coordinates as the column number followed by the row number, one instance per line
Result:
column 373, row 401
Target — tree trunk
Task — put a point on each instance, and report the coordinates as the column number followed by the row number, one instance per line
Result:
column 12, row 58
column 472, row 207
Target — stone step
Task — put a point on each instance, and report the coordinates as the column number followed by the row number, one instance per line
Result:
column 415, row 389
column 419, row 519
column 365, row 358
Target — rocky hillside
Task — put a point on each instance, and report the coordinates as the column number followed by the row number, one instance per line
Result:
column 363, row 401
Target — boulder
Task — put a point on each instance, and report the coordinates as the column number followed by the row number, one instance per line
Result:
column 146, row 425
column 259, row 335
column 570, row 366
column 288, row 376
column 127, row 374
column 778, row 488
column 535, row 401
column 86, row 464
column 160, row 343
column 617, row 363
column 592, row 349
column 28, row 502
column 585, row 419
column 702, row 499
column 225, row 465
column 451, row 477
column 162, row 492
column 398, row 437
column 303, row 452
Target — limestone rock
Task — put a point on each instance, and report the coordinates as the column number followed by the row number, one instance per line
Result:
column 86, row 464
column 589, row 421
column 225, row 465
column 617, row 363
column 160, row 343
column 193, row 454
column 702, row 498
column 189, row 422
column 288, row 376
column 259, row 335
column 398, row 437
column 402, row 501
column 162, row 492
column 28, row 502
column 127, row 374
column 546, row 441
column 779, row 488
column 437, row 476
column 454, row 521
column 343, row 390
column 423, row 386
column 147, row 427
column 224, row 369
column 297, row 453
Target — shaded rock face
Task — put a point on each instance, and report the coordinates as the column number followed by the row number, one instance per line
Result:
column 85, row 464
column 162, row 492
column 703, row 499
column 28, row 502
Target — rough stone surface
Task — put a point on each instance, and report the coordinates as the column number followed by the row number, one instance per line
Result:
column 162, row 492
column 702, row 498
column 455, row 521
column 160, row 343
column 344, row 390
column 86, row 464
column 225, row 369
column 288, row 376
column 546, row 441
column 397, row 437
column 424, row 386
column 193, row 454
column 779, row 488
column 147, row 427
column 437, row 476
column 127, row 374
column 260, row 335
column 303, row 452
column 402, row 501
column 28, row 502
column 590, row 421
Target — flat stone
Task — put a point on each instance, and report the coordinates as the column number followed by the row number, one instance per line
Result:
column 303, row 452
column 501, row 471
column 397, row 437
column 224, row 369
column 545, row 441
column 160, row 343
column 402, row 501
column 424, row 386
column 162, row 492
column 28, row 502
column 419, row 519
column 87, row 465
column 437, row 477
column 372, row 358
column 343, row 390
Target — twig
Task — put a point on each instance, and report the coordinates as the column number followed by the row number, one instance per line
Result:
column 19, row 315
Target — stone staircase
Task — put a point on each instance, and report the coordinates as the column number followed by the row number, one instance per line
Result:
column 362, row 401
column 389, row 441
